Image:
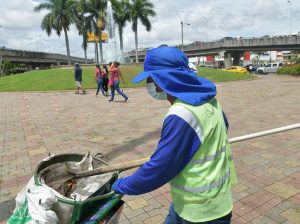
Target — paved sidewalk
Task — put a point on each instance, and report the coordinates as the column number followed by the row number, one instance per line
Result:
column 35, row 124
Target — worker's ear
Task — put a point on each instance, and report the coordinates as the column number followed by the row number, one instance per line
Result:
column 149, row 79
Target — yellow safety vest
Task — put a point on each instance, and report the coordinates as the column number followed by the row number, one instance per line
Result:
column 202, row 190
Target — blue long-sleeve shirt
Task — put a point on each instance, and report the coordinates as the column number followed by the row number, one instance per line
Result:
column 180, row 140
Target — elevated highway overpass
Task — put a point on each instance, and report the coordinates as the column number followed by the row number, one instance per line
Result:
column 37, row 59
column 234, row 48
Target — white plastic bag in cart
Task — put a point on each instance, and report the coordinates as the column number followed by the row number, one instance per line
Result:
column 33, row 205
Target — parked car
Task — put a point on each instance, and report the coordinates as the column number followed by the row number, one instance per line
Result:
column 227, row 38
column 237, row 69
column 238, row 38
column 251, row 67
column 267, row 36
column 269, row 68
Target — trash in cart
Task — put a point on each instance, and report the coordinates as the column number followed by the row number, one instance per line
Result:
column 49, row 199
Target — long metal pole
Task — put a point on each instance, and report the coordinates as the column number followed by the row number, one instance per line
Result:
column 206, row 23
column 264, row 133
column 140, row 162
column 290, row 2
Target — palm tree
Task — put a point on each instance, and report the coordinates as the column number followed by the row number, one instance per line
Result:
column 59, row 18
column 121, row 14
column 83, row 23
column 140, row 10
column 97, row 9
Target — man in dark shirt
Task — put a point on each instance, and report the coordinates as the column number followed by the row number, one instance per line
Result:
column 78, row 78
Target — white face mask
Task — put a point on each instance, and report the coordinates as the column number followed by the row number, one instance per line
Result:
column 156, row 95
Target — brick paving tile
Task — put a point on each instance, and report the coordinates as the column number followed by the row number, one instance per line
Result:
column 155, row 193
column 274, row 214
column 263, row 220
column 268, row 168
column 153, row 204
column 140, row 218
column 241, row 208
column 167, row 196
column 289, row 222
column 234, row 216
column 154, row 220
column 275, row 201
column 137, row 203
column 129, row 213
column 124, row 222
column 251, row 215
column 163, row 201
column 282, row 190
column 239, row 220
column 285, row 205
column 292, row 215
column 265, row 207
column 154, row 212
column 123, row 218
column 295, row 200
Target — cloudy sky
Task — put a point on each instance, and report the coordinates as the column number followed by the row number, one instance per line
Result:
column 208, row 19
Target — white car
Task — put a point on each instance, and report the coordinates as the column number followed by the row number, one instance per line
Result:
column 269, row 68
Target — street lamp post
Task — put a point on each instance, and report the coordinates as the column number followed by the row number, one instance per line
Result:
column 290, row 2
column 37, row 42
column 182, row 33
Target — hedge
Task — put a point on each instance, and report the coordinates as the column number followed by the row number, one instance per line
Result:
column 290, row 70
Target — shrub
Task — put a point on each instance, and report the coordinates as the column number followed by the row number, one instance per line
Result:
column 9, row 68
column 290, row 70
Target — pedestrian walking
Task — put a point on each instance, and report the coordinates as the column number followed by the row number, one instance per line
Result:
column 99, row 79
column 193, row 153
column 78, row 79
column 105, row 79
column 114, row 81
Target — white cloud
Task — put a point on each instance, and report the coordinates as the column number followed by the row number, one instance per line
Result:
column 18, row 14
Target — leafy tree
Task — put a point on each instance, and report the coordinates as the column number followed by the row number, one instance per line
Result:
column 83, row 23
column 140, row 10
column 121, row 14
column 97, row 9
column 59, row 18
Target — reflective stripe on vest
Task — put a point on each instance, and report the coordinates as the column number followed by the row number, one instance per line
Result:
column 208, row 158
column 203, row 188
column 188, row 117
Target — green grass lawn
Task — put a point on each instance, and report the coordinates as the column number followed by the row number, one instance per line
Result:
column 63, row 78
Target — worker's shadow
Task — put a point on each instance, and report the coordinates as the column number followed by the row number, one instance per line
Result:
column 128, row 146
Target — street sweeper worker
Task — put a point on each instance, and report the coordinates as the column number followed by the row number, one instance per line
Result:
column 193, row 153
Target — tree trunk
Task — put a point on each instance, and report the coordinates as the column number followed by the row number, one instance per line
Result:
column 100, row 46
column 67, row 46
column 121, row 38
column 136, row 46
column 85, row 57
column 96, row 53
column 84, row 44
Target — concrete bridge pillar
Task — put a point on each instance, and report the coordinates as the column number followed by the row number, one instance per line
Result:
column 227, row 60
column 237, row 58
